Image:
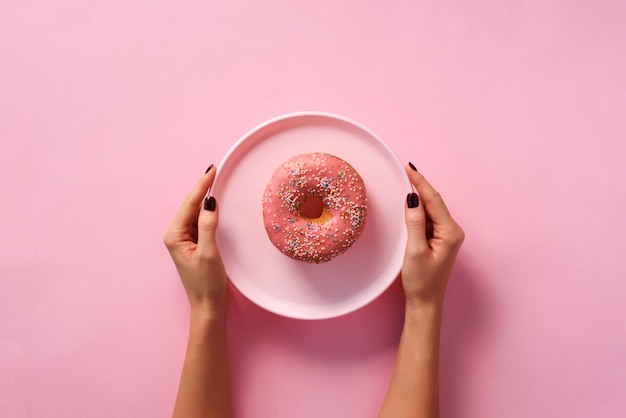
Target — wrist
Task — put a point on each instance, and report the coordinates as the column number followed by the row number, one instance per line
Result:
column 209, row 310
column 424, row 309
column 205, row 329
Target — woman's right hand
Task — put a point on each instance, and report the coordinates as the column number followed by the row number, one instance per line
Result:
column 434, row 239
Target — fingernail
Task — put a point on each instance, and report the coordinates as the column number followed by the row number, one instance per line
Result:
column 412, row 201
column 208, row 169
column 209, row 203
column 412, row 166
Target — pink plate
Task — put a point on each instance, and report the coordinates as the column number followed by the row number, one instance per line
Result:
column 293, row 288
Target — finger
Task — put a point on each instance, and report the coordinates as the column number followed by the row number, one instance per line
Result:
column 207, row 226
column 188, row 212
column 434, row 205
column 415, row 218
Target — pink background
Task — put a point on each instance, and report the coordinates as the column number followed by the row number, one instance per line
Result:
column 109, row 112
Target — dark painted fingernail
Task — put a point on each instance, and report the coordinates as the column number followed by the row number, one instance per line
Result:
column 209, row 203
column 208, row 169
column 412, row 166
column 412, row 201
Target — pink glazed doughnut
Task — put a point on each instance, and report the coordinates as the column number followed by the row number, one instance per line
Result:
column 314, row 207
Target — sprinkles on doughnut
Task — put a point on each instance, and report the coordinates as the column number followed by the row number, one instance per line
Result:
column 314, row 207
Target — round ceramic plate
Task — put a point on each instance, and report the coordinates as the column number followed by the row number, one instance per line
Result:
column 293, row 288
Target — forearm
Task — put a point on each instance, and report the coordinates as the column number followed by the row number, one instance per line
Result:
column 203, row 390
column 414, row 386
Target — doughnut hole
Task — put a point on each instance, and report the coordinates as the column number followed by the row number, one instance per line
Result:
column 314, row 210
column 312, row 207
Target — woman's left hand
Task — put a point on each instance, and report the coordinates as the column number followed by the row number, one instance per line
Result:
column 190, row 240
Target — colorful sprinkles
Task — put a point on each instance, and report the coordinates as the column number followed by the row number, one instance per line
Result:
column 345, row 207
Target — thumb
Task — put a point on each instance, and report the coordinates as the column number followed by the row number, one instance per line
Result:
column 415, row 219
column 207, row 226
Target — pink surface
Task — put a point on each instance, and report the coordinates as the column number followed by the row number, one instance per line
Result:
column 109, row 111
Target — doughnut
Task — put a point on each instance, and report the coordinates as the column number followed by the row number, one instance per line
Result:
column 314, row 207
